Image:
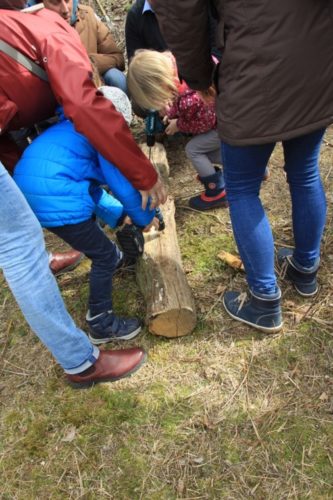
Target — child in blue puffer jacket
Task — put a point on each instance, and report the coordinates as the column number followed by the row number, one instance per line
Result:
column 61, row 175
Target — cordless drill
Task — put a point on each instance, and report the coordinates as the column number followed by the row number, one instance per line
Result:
column 154, row 126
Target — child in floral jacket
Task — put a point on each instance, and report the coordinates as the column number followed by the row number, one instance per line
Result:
column 154, row 84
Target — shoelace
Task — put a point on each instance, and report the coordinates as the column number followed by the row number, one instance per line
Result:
column 283, row 269
column 241, row 299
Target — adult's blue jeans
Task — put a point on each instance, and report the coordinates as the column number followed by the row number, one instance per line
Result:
column 116, row 78
column 243, row 169
column 25, row 265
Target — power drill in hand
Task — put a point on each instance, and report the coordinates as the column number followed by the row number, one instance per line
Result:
column 154, row 125
column 160, row 218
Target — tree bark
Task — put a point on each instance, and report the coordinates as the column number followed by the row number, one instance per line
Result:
column 160, row 274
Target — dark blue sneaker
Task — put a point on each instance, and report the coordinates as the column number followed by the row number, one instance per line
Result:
column 106, row 327
column 304, row 280
column 263, row 312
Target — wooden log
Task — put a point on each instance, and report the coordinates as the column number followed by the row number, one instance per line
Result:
column 170, row 305
column 158, row 157
column 160, row 274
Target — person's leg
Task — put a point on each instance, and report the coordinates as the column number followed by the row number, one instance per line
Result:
column 300, row 265
column 116, row 78
column 307, row 196
column 244, row 168
column 89, row 238
column 204, row 150
column 24, row 261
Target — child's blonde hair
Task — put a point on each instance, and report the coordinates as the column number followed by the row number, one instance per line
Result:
column 151, row 79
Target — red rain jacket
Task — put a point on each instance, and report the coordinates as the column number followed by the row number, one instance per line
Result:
column 26, row 99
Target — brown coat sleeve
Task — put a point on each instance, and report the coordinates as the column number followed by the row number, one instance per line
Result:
column 184, row 26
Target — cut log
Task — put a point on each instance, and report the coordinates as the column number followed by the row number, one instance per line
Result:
column 170, row 305
column 158, row 157
column 160, row 274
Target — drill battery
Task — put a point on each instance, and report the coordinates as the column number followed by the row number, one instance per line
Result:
column 153, row 126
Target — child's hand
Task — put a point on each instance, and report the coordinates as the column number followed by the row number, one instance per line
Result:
column 127, row 220
column 172, row 127
column 154, row 223
column 158, row 195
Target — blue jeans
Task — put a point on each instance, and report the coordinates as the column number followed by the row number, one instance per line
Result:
column 243, row 169
column 115, row 78
column 90, row 239
column 25, row 264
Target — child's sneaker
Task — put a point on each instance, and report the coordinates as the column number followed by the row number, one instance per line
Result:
column 304, row 280
column 263, row 312
column 106, row 327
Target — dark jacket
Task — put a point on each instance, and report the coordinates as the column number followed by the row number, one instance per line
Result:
column 142, row 30
column 25, row 99
column 275, row 78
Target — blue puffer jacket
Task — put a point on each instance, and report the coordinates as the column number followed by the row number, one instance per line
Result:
column 60, row 174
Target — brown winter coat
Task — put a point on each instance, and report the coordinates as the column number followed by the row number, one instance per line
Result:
column 98, row 41
column 276, row 77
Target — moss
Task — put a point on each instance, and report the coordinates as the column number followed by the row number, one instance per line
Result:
column 199, row 246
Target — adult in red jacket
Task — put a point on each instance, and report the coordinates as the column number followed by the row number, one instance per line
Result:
column 25, row 99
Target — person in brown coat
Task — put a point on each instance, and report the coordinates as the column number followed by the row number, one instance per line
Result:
column 274, row 84
column 96, row 37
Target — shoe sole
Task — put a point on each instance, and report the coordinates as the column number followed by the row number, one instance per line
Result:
column 86, row 385
column 211, row 207
column 306, row 295
column 130, row 336
column 274, row 329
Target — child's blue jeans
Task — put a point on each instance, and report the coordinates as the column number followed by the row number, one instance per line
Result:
column 244, row 168
column 89, row 238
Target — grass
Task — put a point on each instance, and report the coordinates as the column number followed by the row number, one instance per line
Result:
column 225, row 413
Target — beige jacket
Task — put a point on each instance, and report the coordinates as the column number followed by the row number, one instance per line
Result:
column 98, row 41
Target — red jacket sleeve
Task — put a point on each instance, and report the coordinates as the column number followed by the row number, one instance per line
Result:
column 69, row 73
column 9, row 153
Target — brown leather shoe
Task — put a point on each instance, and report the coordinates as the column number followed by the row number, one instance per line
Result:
column 66, row 261
column 110, row 366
